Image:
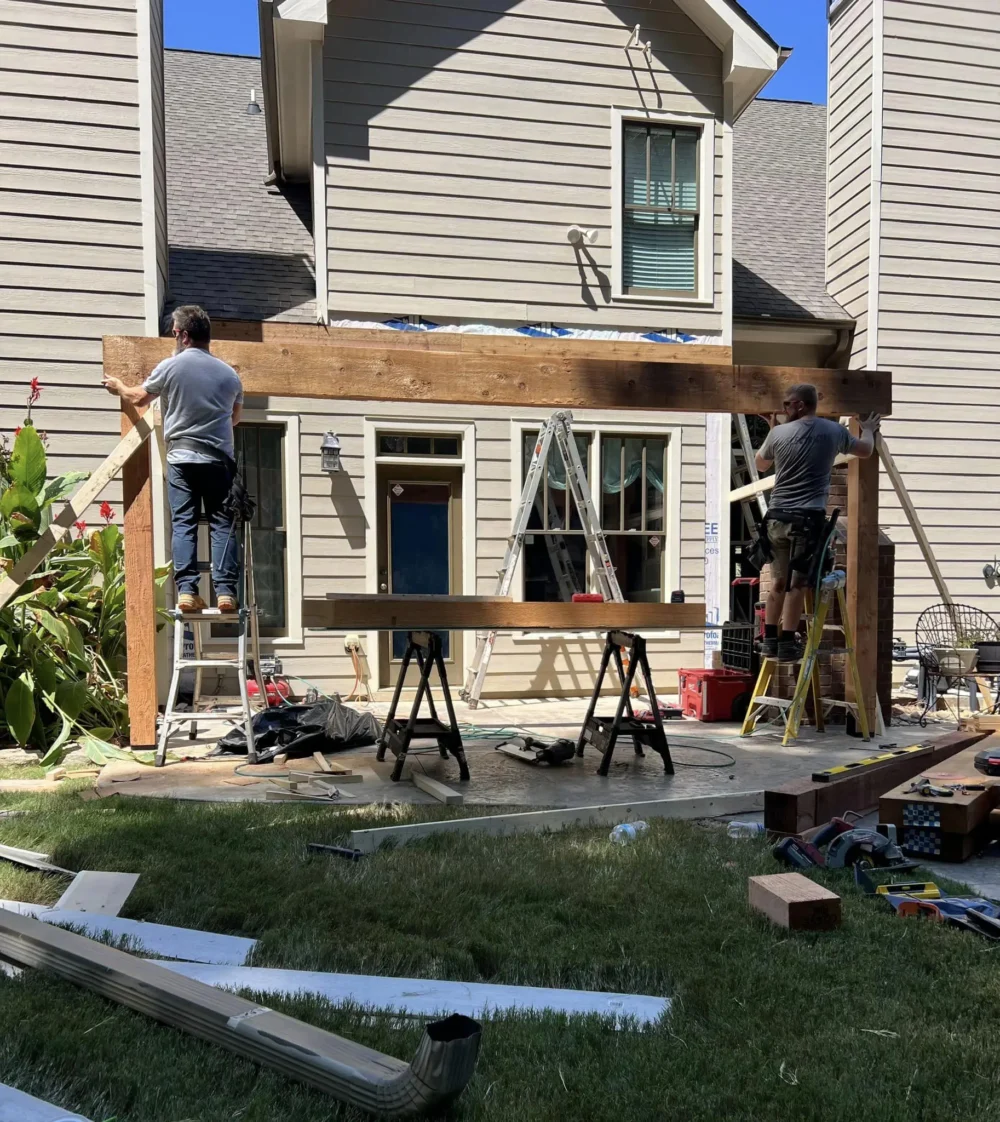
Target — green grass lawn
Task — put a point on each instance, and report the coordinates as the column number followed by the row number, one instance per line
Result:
column 884, row 1019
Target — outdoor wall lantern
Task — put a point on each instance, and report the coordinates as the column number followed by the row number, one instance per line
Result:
column 330, row 450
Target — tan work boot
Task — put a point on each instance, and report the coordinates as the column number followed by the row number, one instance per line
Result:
column 190, row 602
column 227, row 603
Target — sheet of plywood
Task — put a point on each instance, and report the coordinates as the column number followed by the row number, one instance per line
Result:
column 794, row 901
column 97, row 893
column 540, row 821
column 427, row 613
column 425, row 997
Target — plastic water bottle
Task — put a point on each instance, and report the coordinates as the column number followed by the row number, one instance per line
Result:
column 626, row 832
column 745, row 829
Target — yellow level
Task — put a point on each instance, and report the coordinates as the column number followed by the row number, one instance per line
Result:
column 843, row 769
column 922, row 890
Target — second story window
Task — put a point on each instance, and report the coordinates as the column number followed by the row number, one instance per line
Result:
column 659, row 210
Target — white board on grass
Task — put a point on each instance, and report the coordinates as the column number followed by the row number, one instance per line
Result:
column 148, row 938
column 97, row 893
column 16, row 1106
column 423, row 997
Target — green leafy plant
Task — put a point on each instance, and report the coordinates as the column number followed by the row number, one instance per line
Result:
column 62, row 638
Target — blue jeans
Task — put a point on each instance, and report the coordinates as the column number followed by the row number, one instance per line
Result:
column 190, row 488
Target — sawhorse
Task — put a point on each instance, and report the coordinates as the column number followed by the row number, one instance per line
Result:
column 603, row 732
column 424, row 647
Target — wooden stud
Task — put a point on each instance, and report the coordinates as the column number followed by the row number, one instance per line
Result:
column 431, row 613
column 322, row 763
column 793, row 901
column 539, row 380
column 862, row 573
column 140, row 591
column 439, row 791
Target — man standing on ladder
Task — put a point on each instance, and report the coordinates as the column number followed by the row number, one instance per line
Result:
column 202, row 400
column 802, row 451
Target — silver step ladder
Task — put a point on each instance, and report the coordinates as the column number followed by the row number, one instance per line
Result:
column 247, row 643
column 558, row 427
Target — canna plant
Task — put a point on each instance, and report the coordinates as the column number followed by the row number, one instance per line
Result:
column 62, row 638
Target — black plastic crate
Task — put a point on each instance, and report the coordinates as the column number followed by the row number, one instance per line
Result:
column 738, row 649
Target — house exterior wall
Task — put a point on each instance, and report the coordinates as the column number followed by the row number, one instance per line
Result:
column 463, row 140
column 937, row 251
column 71, row 213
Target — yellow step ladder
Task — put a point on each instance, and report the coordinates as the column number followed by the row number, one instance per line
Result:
column 791, row 710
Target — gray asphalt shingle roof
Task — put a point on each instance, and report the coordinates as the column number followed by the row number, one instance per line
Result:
column 237, row 247
column 779, row 213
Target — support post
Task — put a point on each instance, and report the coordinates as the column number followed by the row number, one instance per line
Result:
column 140, row 590
column 862, row 573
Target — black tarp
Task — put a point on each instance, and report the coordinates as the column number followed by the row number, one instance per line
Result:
column 299, row 730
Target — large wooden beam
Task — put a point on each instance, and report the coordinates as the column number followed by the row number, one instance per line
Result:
column 140, row 591
column 388, row 613
column 534, row 379
column 862, row 573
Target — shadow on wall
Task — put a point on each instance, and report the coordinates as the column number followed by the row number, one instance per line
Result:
column 349, row 510
column 242, row 285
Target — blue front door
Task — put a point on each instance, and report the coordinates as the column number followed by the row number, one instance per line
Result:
column 420, row 546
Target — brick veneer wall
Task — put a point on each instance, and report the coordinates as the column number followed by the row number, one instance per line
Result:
column 832, row 661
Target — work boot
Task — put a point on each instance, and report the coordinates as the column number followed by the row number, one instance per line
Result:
column 226, row 602
column 769, row 648
column 190, row 602
column 789, row 650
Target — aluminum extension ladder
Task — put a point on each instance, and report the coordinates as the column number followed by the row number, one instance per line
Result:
column 247, row 646
column 558, row 427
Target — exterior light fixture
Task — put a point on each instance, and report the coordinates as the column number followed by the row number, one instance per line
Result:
column 330, row 451
column 252, row 107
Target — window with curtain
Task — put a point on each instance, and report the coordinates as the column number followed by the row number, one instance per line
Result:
column 633, row 512
column 660, row 209
column 555, row 550
column 260, row 457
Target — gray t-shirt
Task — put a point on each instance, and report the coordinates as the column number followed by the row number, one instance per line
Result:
column 197, row 394
column 803, row 452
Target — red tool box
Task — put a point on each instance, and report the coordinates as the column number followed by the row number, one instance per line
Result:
column 714, row 695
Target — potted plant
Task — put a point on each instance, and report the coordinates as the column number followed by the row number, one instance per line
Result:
column 959, row 660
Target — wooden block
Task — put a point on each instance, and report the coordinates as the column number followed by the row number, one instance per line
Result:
column 321, row 762
column 961, row 813
column 794, row 901
column 97, row 893
column 430, row 613
column 440, row 791
column 792, row 808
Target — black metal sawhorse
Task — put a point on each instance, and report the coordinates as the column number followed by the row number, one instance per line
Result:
column 603, row 732
column 425, row 648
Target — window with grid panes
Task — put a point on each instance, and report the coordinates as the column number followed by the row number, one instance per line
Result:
column 260, row 458
column 555, row 551
column 633, row 512
column 660, row 209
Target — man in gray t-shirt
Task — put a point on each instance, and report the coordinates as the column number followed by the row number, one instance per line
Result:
column 802, row 451
column 202, row 400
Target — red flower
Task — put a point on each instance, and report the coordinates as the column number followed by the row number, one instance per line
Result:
column 35, row 393
column 107, row 511
column 17, row 430
column 80, row 527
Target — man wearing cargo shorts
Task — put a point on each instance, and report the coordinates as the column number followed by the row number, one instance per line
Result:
column 802, row 451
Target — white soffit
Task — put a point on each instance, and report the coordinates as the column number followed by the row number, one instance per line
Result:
column 297, row 24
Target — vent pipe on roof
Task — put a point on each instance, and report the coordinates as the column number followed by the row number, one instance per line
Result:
column 252, row 107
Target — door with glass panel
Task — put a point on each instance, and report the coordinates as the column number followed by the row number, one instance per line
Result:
column 420, row 549
column 633, row 512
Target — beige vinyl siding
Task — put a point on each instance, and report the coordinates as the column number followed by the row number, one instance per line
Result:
column 336, row 540
column 939, row 296
column 463, row 140
column 70, row 216
column 159, row 131
column 849, row 165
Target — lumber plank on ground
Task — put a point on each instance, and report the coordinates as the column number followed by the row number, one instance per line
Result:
column 31, row 859
column 16, row 1106
column 794, row 901
column 802, row 804
column 350, row 1072
column 428, row 613
column 440, row 791
column 427, row 997
column 540, row 821
column 75, row 508
column 322, row 778
column 323, row 763
column 567, row 380
column 97, row 893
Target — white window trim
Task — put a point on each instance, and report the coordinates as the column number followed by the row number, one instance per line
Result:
column 672, row 434
column 373, row 425
column 705, row 295
column 291, row 447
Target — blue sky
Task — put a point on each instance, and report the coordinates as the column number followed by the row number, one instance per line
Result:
column 230, row 26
